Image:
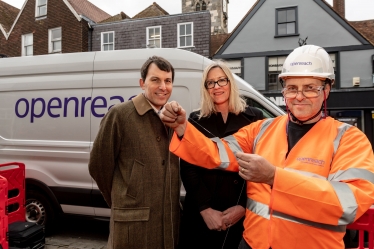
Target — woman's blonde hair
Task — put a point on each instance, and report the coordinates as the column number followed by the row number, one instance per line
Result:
column 236, row 103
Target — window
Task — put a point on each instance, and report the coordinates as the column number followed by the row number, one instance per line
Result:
column 253, row 103
column 40, row 8
column 55, row 38
column 333, row 59
column 198, row 7
column 203, row 6
column 275, row 65
column 372, row 63
column 286, row 20
column 185, row 35
column 107, row 41
column 27, row 45
column 154, row 37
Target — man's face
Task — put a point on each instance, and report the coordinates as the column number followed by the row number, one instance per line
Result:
column 157, row 86
column 302, row 107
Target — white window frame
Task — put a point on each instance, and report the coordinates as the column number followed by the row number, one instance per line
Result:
column 23, row 47
column 179, row 25
column 50, row 41
column 102, row 40
column 147, row 42
column 37, row 5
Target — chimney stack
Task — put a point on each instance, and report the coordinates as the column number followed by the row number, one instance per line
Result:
column 339, row 6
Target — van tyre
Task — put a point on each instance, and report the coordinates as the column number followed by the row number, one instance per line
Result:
column 39, row 210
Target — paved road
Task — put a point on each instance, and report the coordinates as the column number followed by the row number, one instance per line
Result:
column 77, row 233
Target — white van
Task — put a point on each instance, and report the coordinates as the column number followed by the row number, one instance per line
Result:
column 50, row 111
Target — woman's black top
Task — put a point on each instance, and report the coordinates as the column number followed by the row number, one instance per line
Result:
column 216, row 189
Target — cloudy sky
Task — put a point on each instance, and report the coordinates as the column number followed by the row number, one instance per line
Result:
column 356, row 10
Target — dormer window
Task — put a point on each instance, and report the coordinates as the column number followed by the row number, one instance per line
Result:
column 198, row 7
column 286, row 22
column 203, row 6
column 40, row 8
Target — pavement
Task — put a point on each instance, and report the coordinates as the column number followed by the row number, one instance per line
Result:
column 55, row 242
column 78, row 233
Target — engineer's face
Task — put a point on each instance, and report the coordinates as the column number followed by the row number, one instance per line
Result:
column 157, row 86
column 302, row 107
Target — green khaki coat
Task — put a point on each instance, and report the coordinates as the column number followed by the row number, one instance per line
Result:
column 138, row 177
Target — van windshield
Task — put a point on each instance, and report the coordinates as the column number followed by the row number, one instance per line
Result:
column 253, row 103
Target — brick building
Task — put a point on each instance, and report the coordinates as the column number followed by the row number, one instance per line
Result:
column 154, row 27
column 49, row 26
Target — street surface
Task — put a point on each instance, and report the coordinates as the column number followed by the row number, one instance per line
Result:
column 77, row 233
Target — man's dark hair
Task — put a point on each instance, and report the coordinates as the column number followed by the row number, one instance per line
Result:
column 160, row 62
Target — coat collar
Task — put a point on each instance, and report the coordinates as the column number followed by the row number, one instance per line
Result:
column 141, row 104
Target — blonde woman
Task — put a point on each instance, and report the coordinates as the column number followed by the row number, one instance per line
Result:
column 215, row 200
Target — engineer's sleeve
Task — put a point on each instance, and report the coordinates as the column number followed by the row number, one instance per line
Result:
column 104, row 153
column 212, row 153
column 343, row 197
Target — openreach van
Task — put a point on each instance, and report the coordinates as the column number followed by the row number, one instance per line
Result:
column 50, row 112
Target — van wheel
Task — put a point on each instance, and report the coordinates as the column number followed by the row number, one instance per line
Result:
column 39, row 209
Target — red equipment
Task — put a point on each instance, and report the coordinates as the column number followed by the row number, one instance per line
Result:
column 14, row 172
column 3, row 213
column 362, row 224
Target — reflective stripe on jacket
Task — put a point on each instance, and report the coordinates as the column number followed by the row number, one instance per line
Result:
column 325, row 183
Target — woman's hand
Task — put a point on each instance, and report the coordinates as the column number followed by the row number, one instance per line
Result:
column 233, row 215
column 213, row 219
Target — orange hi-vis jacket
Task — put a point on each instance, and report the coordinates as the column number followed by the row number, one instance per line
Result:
column 325, row 183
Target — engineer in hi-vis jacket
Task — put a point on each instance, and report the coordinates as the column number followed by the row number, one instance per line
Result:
column 308, row 175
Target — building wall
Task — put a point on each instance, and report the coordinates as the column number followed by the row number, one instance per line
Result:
column 74, row 33
column 313, row 22
column 254, row 72
column 131, row 34
column 356, row 64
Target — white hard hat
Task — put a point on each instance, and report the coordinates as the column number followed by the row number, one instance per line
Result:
column 308, row 61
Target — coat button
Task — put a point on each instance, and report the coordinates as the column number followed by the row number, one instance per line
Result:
column 235, row 181
column 158, row 138
column 163, row 162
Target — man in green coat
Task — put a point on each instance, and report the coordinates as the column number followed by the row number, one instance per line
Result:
column 133, row 168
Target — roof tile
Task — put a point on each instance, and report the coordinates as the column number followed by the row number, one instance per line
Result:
column 8, row 14
column 84, row 7
column 118, row 17
column 151, row 11
column 216, row 41
column 366, row 28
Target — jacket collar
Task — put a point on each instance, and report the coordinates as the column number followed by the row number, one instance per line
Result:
column 141, row 104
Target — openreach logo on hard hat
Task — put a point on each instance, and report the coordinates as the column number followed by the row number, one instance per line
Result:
column 301, row 63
